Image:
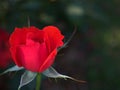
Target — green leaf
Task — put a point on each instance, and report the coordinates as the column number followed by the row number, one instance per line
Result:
column 26, row 78
column 52, row 73
column 14, row 68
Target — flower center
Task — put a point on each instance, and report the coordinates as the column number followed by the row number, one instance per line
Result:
column 34, row 37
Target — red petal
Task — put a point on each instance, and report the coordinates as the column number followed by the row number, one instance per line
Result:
column 32, row 55
column 35, row 34
column 53, row 37
column 19, row 36
column 49, row 61
column 16, row 38
column 13, row 54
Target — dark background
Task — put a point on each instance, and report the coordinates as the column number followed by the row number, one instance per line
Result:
column 92, row 55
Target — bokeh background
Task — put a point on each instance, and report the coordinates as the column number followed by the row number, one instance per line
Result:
column 92, row 55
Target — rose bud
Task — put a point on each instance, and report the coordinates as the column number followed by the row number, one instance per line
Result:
column 35, row 49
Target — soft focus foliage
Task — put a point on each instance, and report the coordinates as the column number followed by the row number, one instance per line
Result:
column 93, row 53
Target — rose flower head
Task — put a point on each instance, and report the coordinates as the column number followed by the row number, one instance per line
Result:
column 35, row 49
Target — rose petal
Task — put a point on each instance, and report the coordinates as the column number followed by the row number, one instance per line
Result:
column 18, row 37
column 53, row 37
column 48, row 62
column 35, row 34
column 32, row 55
column 13, row 54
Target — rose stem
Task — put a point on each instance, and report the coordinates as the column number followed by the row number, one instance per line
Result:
column 38, row 81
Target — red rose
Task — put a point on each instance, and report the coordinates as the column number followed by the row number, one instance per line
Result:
column 35, row 49
column 4, row 49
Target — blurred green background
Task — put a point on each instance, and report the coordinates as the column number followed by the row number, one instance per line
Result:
column 92, row 55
